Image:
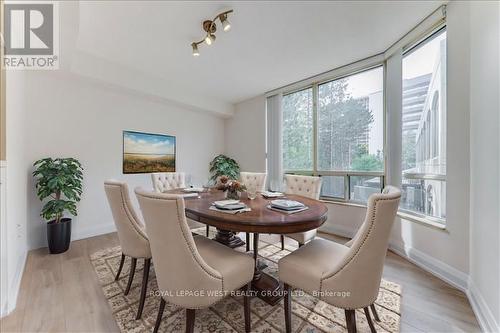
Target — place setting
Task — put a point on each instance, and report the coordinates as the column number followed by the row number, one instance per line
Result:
column 287, row 206
column 230, row 206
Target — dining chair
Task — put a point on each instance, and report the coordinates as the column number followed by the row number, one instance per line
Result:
column 347, row 277
column 164, row 181
column 258, row 180
column 134, row 241
column 306, row 186
column 192, row 272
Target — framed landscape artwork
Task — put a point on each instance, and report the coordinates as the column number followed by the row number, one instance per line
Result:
column 146, row 152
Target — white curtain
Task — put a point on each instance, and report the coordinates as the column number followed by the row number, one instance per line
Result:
column 274, row 142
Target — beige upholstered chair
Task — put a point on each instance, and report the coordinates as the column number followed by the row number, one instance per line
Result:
column 325, row 268
column 164, row 181
column 205, row 268
column 133, row 239
column 257, row 180
column 306, row 186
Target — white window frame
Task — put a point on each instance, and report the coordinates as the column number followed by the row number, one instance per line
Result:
column 347, row 174
column 428, row 148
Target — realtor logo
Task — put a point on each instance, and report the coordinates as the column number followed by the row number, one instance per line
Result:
column 31, row 35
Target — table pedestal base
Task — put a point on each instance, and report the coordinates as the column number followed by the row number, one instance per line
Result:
column 268, row 289
column 228, row 238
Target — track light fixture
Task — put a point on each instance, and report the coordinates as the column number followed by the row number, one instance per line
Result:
column 210, row 27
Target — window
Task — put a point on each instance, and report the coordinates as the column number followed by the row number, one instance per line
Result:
column 424, row 128
column 350, row 123
column 298, row 130
column 348, row 148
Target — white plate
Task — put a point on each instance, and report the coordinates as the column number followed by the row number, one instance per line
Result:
column 222, row 203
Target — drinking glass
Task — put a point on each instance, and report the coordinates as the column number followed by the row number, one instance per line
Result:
column 252, row 192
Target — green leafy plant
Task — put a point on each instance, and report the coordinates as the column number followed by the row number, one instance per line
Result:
column 222, row 165
column 60, row 180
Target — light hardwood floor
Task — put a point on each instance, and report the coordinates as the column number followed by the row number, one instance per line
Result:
column 60, row 293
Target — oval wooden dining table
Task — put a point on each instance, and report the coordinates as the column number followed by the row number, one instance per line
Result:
column 259, row 220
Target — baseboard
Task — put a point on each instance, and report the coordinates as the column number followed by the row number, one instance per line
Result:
column 436, row 267
column 15, row 285
column 481, row 310
column 94, row 231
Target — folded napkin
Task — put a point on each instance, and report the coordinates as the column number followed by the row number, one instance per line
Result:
column 287, row 204
column 193, row 189
column 287, row 211
column 235, row 211
column 268, row 194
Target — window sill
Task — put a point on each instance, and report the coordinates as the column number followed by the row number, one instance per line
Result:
column 342, row 203
column 428, row 222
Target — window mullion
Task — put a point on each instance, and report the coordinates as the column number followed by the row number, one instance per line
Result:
column 315, row 129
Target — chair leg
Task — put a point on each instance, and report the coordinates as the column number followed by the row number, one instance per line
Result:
column 131, row 275
column 120, row 267
column 248, row 241
column 208, row 230
column 288, row 307
column 190, row 315
column 145, row 277
column 246, row 305
column 350, row 318
column 282, row 242
column 160, row 314
column 369, row 319
column 375, row 314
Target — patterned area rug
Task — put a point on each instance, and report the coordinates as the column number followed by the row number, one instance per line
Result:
column 309, row 313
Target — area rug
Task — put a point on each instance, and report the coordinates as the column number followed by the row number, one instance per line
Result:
column 309, row 313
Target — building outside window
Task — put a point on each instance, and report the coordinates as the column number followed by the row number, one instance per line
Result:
column 424, row 128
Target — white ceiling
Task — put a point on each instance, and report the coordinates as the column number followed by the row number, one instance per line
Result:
column 270, row 44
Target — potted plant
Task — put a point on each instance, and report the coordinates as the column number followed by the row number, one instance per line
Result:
column 233, row 188
column 60, row 181
column 222, row 165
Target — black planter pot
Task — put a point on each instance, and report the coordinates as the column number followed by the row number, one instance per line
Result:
column 59, row 235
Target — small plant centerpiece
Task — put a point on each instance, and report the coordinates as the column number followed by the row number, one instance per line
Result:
column 231, row 187
column 222, row 165
column 58, row 184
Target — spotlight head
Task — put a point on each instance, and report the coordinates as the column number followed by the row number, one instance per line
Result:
column 225, row 23
column 210, row 39
column 196, row 52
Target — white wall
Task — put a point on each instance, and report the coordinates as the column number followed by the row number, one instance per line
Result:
column 485, row 165
column 246, row 133
column 15, row 238
column 68, row 116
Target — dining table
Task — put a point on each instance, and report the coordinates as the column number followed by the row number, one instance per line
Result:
column 260, row 219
